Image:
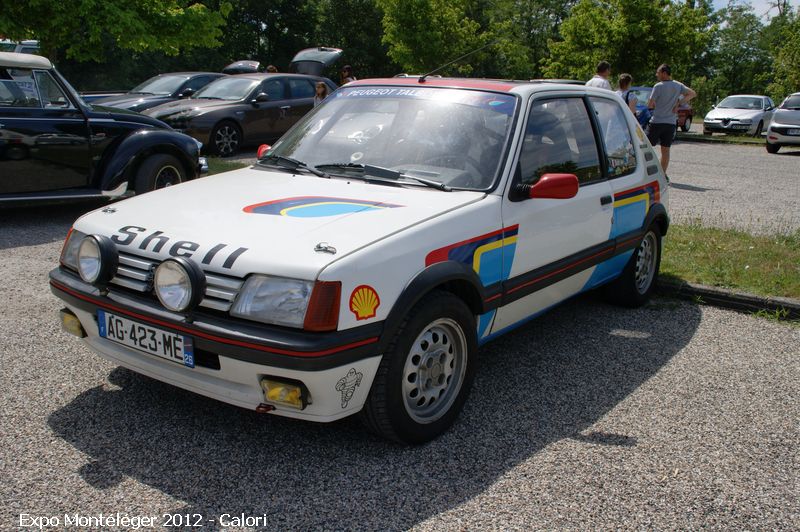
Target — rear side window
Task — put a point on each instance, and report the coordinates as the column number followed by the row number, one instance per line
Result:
column 616, row 136
column 559, row 139
column 18, row 88
column 301, row 88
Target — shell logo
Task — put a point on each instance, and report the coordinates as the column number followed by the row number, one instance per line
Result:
column 364, row 301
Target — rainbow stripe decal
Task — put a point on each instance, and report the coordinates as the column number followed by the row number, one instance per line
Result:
column 631, row 207
column 316, row 206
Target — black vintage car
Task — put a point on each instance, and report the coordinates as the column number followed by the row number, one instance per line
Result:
column 160, row 89
column 53, row 146
column 243, row 109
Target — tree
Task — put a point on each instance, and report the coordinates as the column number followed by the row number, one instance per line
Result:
column 786, row 53
column 82, row 28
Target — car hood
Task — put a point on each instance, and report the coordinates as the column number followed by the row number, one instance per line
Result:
column 787, row 116
column 134, row 102
column 265, row 221
column 738, row 114
column 123, row 115
column 173, row 108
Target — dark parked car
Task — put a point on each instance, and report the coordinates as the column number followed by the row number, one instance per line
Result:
column 160, row 89
column 243, row 109
column 685, row 111
column 53, row 146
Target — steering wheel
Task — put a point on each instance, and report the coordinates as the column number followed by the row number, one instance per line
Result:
column 471, row 167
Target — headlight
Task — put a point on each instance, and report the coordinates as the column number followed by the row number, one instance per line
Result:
column 69, row 253
column 274, row 300
column 179, row 284
column 97, row 260
column 745, row 121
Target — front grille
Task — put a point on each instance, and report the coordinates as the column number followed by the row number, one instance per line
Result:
column 136, row 273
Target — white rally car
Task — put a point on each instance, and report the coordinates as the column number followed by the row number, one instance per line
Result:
column 361, row 262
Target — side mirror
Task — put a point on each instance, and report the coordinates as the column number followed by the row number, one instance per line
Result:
column 187, row 93
column 261, row 97
column 552, row 186
column 262, row 150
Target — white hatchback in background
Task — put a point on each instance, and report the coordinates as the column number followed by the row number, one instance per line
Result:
column 357, row 267
column 744, row 114
column 785, row 127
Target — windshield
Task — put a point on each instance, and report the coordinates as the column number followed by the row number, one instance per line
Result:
column 642, row 95
column 452, row 136
column 740, row 102
column 161, row 85
column 231, row 88
column 792, row 102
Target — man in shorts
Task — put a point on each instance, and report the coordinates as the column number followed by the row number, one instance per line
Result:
column 664, row 101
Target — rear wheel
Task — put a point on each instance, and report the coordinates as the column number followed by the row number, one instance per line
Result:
column 773, row 148
column 687, row 124
column 226, row 138
column 425, row 375
column 638, row 280
column 159, row 171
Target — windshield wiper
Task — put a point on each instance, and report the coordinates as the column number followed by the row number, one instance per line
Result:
column 386, row 173
column 208, row 97
column 293, row 164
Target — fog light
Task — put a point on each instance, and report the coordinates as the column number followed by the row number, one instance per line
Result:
column 284, row 393
column 71, row 323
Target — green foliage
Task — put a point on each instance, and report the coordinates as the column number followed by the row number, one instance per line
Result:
column 786, row 50
column 81, row 28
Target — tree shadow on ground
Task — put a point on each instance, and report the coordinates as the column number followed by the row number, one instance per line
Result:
column 549, row 380
column 33, row 225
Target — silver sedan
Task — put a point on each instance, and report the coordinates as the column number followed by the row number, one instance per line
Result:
column 741, row 114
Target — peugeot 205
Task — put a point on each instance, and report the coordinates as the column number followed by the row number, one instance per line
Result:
column 360, row 264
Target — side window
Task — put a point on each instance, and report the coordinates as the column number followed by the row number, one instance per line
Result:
column 50, row 93
column 273, row 88
column 616, row 136
column 198, row 83
column 559, row 139
column 12, row 95
column 301, row 88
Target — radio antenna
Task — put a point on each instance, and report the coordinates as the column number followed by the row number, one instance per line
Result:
column 434, row 71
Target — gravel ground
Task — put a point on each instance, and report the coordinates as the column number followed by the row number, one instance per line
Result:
column 735, row 186
column 673, row 416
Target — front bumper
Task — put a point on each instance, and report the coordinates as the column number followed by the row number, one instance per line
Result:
column 230, row 362
column 779, row 134
column 202, row 165
column 729, row 127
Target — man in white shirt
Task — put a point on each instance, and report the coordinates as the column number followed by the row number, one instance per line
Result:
column 601, row 78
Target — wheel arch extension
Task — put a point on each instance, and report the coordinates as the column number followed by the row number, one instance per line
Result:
column 450, row 276
column 657, row 215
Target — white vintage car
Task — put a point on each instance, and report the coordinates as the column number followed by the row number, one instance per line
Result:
column 359, row 265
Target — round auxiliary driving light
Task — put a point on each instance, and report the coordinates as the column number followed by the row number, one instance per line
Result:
column 179, row 284
column 97, row 260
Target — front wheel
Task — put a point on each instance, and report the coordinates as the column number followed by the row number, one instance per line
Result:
column 759, row 128
column 773, row 148
column 226, row 138
column 638, row 280
column 424, row 377
column 687, row 124
column 159, row 171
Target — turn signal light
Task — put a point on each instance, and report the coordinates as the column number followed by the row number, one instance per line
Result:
column 323, row 308
column 71, row 323
column 284, row 393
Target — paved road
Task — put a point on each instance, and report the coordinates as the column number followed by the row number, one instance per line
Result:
column 671, row 416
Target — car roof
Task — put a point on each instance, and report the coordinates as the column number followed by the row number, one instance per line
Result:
column 16, row 60
column 192, row 74
column 265, row 75
column 746, row 95
column 497, row 85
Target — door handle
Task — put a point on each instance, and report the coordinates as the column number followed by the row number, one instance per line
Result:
column 605, row 200
column 286, row 107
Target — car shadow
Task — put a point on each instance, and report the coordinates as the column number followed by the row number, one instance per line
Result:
column 552, row 379
column 689, row 188
column 33, row 225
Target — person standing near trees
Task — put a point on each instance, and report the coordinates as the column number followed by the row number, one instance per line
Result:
column 347, row 74
column 601, row 78
column 625, row 92
column 664, row 101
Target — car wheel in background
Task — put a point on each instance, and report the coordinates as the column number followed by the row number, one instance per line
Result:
column 425, row 375
column 159, row 171
column 759, row 128
column 638, row 280
column 773, row 148
column 687, row 124
column 226, row 138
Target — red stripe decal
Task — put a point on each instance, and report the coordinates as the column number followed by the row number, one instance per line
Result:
column 567, row 267
column 441, row 254
column 213, row 337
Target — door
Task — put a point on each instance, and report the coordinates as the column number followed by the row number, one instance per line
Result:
column 558, row 240
column 44, row 138
column 301, row 92
column 269, row 120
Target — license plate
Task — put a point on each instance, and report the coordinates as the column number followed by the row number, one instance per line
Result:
column 164, row 344
column 741, row 126
column 793, row 132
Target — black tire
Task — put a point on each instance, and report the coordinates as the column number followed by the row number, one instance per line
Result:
column 630, row 289
column 159, row 171
column 759, row 128
column 773, row 148
column 426, row 373
column 226, row 139
column 687, row 124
